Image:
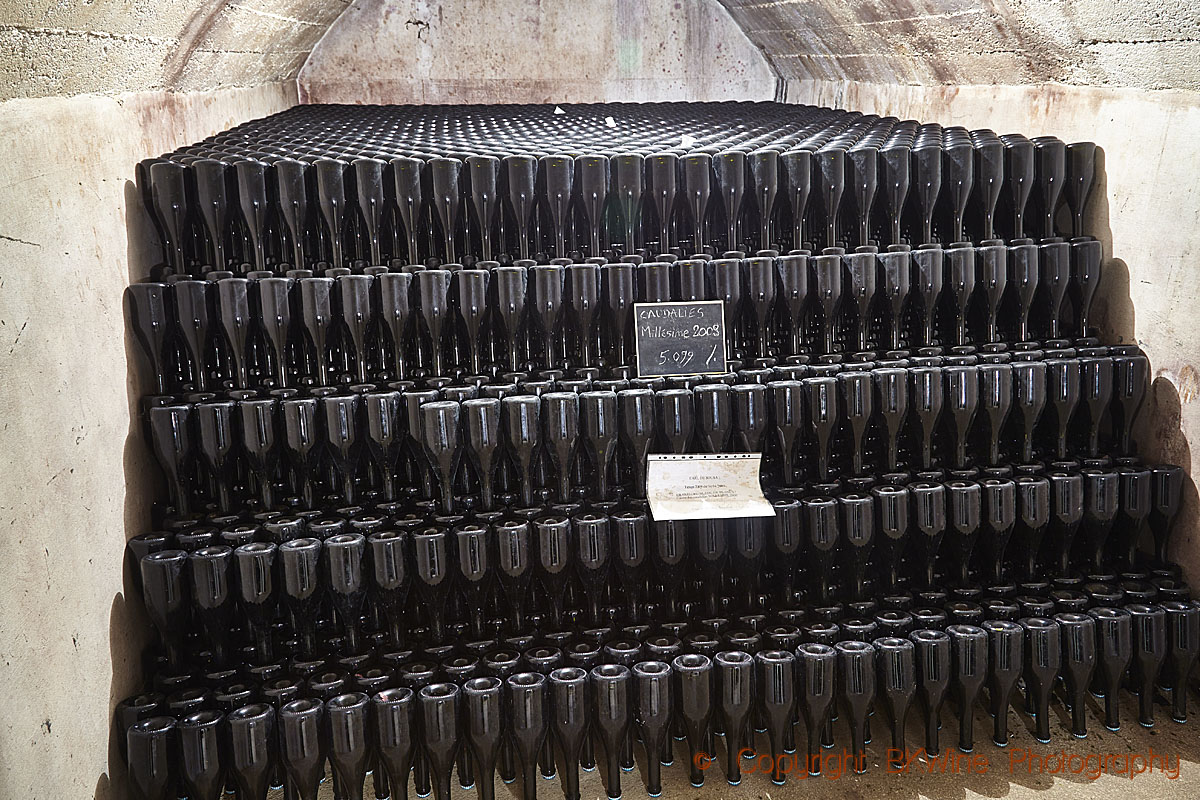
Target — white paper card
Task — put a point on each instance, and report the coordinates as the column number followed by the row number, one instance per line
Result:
column 717, row 486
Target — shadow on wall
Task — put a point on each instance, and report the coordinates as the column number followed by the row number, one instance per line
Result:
column 1112, row 309
column 129, row 627
column 1162, row 441
column 1158, row 432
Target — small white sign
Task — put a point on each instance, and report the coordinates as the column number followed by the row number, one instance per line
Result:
column 706, row 486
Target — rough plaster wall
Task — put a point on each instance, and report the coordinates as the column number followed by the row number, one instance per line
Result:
column 66, row 47
column 75, row 483
column 1135, row 43
column 645, row 48
column 1144, row 210
column 477, row 51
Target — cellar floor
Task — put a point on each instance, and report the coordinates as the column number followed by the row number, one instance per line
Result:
column 1013, row 772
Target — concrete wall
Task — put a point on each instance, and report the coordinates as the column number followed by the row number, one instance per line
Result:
column 62, row 47
column 1153, row 44
column 577, row 51
column 67, row 47
column 75, row 483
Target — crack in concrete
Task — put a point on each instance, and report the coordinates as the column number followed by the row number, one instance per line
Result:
column 421, row 25
column 17, row 340
column 1167, row 40
column 19, row 241
column 249, row 52
column 269, row 15
column 158, row 41
column 868, row 22
column 834, row 56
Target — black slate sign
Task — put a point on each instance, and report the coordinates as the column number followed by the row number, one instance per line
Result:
column 680, row 338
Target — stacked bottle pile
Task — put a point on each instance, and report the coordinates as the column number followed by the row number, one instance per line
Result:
column 321, row 187
column 399, row 415
column 510, row 321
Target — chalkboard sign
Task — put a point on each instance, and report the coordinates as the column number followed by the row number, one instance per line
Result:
column 680, row 338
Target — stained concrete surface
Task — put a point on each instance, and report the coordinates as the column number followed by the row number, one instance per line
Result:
column 1153, row 44
column 63, row 47
column 76, row 482
column 584, row 51
column 67, row 47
